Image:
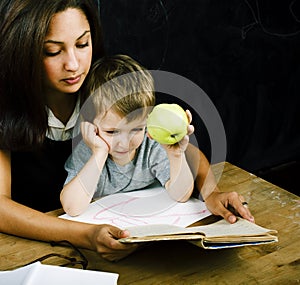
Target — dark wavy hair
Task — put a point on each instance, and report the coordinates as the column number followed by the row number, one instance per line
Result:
column 23, row 27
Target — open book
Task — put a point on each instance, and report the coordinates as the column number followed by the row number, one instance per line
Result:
column 151, row 215
column 220, row 234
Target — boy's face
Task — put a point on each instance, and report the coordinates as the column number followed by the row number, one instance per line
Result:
column 123, row 137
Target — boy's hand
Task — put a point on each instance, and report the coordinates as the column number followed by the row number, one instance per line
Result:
column 92, row 138
column 182, row 145
column 190, row 130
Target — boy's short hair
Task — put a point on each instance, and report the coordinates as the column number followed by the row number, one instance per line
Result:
column 120, row 83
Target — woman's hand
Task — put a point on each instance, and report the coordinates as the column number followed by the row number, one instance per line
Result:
column 105, row 240
column 221, row 203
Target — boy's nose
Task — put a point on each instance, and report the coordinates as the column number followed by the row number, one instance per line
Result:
column 124, row 140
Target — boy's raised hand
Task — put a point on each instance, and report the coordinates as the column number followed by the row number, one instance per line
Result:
column 190, row 130
column 183, row 143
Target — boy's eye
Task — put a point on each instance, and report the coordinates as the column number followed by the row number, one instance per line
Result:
column 138, row 129
column 112, row 132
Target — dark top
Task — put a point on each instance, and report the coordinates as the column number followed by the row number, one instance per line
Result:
column 38, row 176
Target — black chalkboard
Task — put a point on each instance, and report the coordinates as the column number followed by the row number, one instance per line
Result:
column 244, row 54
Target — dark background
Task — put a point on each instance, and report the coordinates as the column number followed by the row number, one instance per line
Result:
column 244, row 54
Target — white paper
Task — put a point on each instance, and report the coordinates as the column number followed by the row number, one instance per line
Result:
column 15, row 277
column 143, row 207
column 37, row 274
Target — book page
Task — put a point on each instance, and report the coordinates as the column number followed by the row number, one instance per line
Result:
column 219, row 229
column 220, row 234
column 157, row 230
column 240, row 228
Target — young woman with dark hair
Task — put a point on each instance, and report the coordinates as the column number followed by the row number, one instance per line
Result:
column 46, row 49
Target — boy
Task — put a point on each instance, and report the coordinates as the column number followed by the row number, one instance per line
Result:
column 116, row 155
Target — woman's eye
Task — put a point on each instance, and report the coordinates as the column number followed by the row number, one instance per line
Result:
column 48, row 53
column 83, row 45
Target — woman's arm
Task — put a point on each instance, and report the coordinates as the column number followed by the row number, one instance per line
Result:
column 25, row 222
column 216, row 201
column 204, row 177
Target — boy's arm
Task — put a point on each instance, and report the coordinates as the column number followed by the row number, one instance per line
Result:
column 78, row 193
column 181, row 183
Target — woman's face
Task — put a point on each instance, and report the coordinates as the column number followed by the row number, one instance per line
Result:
column 67, row 52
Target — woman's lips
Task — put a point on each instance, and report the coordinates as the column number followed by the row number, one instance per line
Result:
column 72, row 80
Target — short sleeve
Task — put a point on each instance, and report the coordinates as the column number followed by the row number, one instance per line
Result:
column 78, row 158
column 159, row 163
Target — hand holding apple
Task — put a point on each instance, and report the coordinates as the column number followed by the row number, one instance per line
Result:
column 167, row 123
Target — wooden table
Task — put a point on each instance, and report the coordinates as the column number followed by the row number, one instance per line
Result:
column 179, row 262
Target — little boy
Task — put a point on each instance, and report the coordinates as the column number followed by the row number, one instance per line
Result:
column 116, row 155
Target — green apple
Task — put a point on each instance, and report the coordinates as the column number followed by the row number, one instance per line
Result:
column 167, row 123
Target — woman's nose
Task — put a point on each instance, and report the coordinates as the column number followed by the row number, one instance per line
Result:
column 71, row 61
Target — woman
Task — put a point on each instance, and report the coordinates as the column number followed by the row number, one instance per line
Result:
column 46, row 49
